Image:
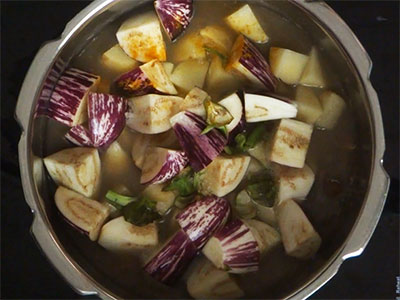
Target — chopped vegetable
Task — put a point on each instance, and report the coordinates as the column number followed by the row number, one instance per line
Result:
column 245, row 22
column 150, row 114
column 262, row 188
column 164, row 199
column 244, row 205
column 298, row 235
column 119, row 235
column 194, row 102
column 119, row 200
column 265, row 213
column 233, row 248
column 266, row 236
column 217, row 115
column 116, row 161
column 85, row 214
column 141, row 211
column 247, row 61
column 218, row 81
column 174, row 15
column 183, row 183
column 201, row 219
column 216, row 39
column 332, row 108
column 287, row 65
column 148, row 78
column 75, row 168
column 117, row 60
column 168, row 67
column 141, row 38
column 80, row 136
column 308, row 106
column 312, row 74
column 67, row 103
column 290, row 143
column 234, row 106
column 246, row 141
column 261, row 151
column 260, row 108
column 161, row 164
column 189, row 74
column 190, row 46
column 200, row 149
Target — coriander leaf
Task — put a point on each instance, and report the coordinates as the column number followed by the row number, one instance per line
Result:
column 140, row 212
column 255, row 136
column 118, row 200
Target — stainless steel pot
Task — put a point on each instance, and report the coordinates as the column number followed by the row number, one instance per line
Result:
column 84, row 265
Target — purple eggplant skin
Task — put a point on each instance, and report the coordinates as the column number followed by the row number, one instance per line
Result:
column 62, row 104
column 135, row 83
column 201, row 219
column 106, row 118
column 172, row 259
column 79, row 136
column 200, row 149
column 174, row 15
column 241, row 252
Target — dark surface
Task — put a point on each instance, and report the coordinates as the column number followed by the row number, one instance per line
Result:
column 26, row 273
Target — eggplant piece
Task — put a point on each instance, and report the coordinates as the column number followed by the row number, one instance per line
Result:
column 298, row 235
column 150, row 114
column 201, row 149
column 332, row 108
column 234, row 105
column 80, row 136
column 234, row 248
column 261, row 152
column 161, row 164
column 119, row 235
column 172, row 259
column 217, row 38
column 164, row 199
column 85, row 214
column 174, row 15
column 201, row 219
column 266, row 236
column 207, row 282
column 141, row 38
column 76, row 168
column 148, row 78
column 308, row 105
column 265, row 213
column 67, row 103
column 259, row 108
column 194, row 102
column 168, row 67
column 244, row 205
column 247, row 61
column 245, row 22
column 115, row 59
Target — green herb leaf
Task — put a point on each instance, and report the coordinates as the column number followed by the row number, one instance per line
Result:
column 118, row 200
column 210, row 50
column 140, row 212
column 255, row 136
column 208, row 129
column 262, row 187
column 182, row 183
column 228, row 150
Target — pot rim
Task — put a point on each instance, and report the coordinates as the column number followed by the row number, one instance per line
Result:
column 362, row 229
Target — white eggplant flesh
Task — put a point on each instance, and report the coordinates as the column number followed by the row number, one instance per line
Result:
column 245, row 22
column 219, row 82
column 76, row 168
column 121, row 236
column 234, row 248
column 194, row 102
column 298, row 235
column 141, row 38
column 190, row 46
column 259, row 108
column 266, row 236
column 161, row 164
column 293, row 183
column 164, row 199
column 168, row 67
column 290, row 144
column 116, row 60
column 116, row 161
column 308, row 105
column 266, row 213
column 150, row 113
column 287, row 65
column 313, row 74
column 189, row 74
column 207, row 282
column 223, row 175
column 333, row 107
column 234, row 106
column 261, row 151
column 217, row 38
column 85, row 214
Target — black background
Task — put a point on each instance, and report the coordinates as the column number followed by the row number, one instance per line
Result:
column 26, row 273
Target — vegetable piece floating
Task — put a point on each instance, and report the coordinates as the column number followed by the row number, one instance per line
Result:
column 234, row 106
column 184, row 186
column 161, row 164
column 168, row 67
column 201, row 219
column 190, row 46
column 174, row 15
column 244, row 205
column 298, row 235
column 208, row 282
column 266, row 236
column 234, row 248
column 148, row 78
column 116, row 161
column 119, row 235
column 117, row 60
column 218, row 81
column 294, row 183
column 172, row 259
column 189, row 74
column 201, row 149
column 290, row 143
column 308, row 106
column 217, row 115
column 85, row 214
column 75, row 168
column 260, row 108
column 332, row 108
column 150, row 114
column 245, row 22
column 67, row 103
column 140, row 211
column 286, row 64
column 164, row 199
column 261, row 152
column 215, row 37
column 223, row 175
column 80, row 136
column 194, row 102
column 312, row 74
column 247, row 61
column 141, row 38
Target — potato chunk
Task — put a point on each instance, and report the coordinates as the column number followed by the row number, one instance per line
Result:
column 312, row 74
column 117, row 60
column 190, row 46
column 332, row 108
column 308, row 107
column 217, row 38
column 189, row 74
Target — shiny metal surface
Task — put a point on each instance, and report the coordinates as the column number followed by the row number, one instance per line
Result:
column 87, row 279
